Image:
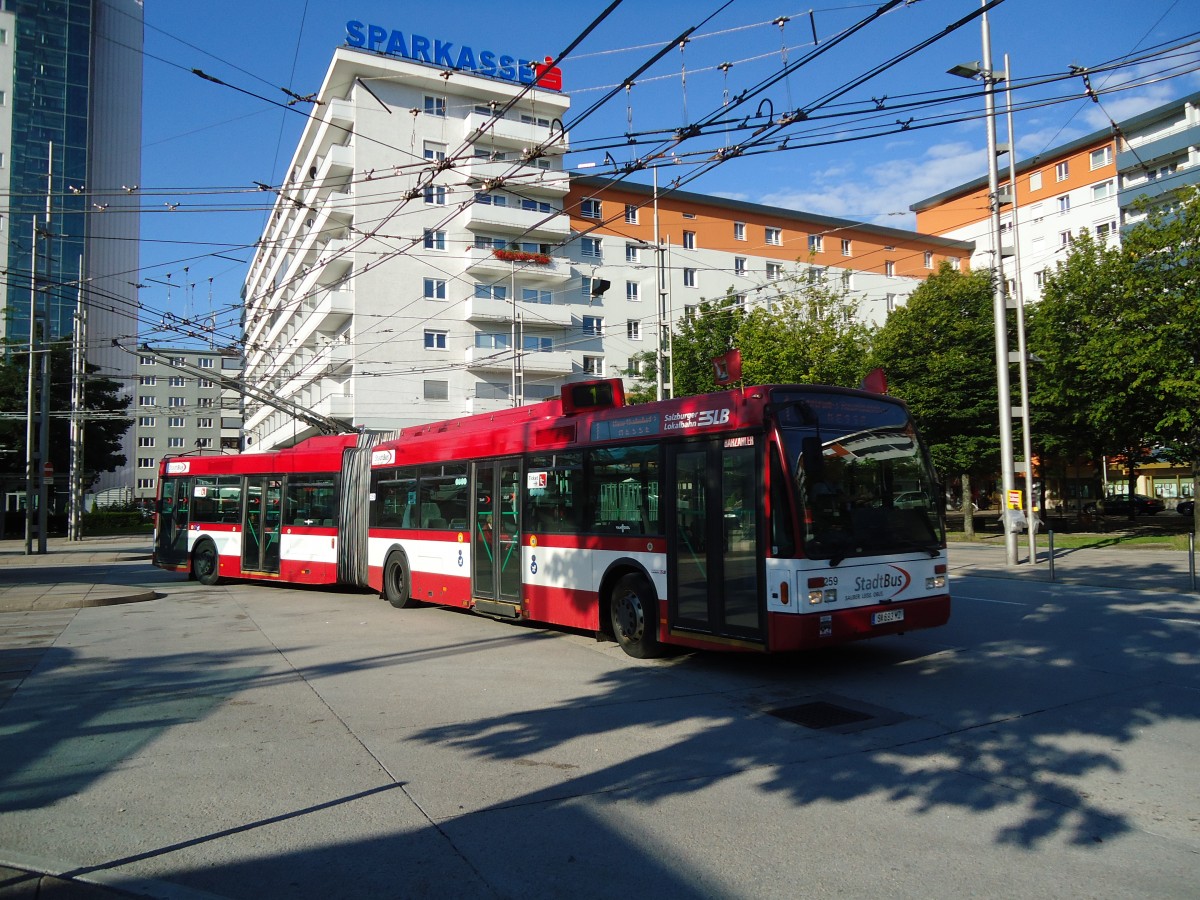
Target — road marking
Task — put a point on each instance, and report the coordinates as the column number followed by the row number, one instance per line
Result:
column 986, row 600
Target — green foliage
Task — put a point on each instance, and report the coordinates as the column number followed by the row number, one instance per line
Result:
column 808, row 335
column 116, row 521
column 710, row 331
column 938, row 351
column 102, row 436
column 644, row 378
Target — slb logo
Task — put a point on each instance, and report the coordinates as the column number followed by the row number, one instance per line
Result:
column 713, row 417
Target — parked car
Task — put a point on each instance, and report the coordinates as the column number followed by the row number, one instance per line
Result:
column 912, row 500
column 1119, row 505
column 1186, row 508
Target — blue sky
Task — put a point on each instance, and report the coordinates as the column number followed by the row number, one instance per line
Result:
column 205, row 145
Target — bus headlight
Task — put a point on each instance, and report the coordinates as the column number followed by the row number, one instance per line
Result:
column 935, row 582
column 815, row 597
column 831, row 595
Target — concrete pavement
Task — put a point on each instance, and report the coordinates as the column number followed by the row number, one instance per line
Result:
column 262, row 703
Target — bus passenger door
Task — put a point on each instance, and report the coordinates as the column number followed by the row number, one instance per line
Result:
column 713, row 534
column 171, row 547
column 496, row 532
column 260, row 534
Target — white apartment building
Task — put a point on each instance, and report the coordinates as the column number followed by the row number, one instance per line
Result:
column 1090, row 183
column 428, row 257
column 182, row 406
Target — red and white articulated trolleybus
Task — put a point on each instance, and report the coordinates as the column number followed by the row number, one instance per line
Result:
column 267, row 516
column 766, row 518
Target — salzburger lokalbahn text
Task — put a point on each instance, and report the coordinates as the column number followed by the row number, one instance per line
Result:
column 771, row 518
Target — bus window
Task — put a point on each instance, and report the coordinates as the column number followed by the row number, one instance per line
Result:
column 395, row 497
column 623, row 490
column 554, row 492
column 217, row 498
column 442, row 494
column 311, row 500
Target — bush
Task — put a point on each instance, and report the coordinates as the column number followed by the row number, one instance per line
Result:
column 116, row 521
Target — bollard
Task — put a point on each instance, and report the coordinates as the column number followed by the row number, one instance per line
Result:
column 1192, row 559
column 1050, row 550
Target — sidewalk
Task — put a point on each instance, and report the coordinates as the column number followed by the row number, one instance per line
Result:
column 1137, row 569
column 96, row 571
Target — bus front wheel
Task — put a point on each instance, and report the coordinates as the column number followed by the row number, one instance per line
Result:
column 395, row 581
column 206, row 563
column 634, row 613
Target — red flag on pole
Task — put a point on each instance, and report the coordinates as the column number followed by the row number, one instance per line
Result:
column 875, row 382
column 727, row 368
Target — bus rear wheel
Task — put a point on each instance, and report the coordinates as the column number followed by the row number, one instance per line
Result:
column 633, row 610
column 395, row 581
column 206, row 563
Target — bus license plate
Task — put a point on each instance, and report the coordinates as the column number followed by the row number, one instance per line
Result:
column 892, row 615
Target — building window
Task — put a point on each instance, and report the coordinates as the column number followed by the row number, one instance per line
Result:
column 955, row 263
column 774, row 271
column 593, row 325
column 176, row 402
column 847, row 279
column 633, row 291
column 633, row 330
column 593, row 365
column 1064, row 203
column 929, row 259
column 689, row 278
column 435, row 106
column 890, row 299
column 176, row 422
column 203, row 383
column 206, row 362
column 537, row 344
column 774, row 236
column 889, row 268
column 435, row 340
column 1064, row 238
column 1102, row 157
column 634, row 366
column 435, row 194
column 491, row 292
column 435, row 151
column 435, row 240
column 146, row 361
column 633, row 253
column 1035, row 181
column 176, row 381
column 437, row 390
column 585, row 283
column 147, row 421
column 1062, row 171
column 204, row 423
column 178, row 361
column 631, row 214
column 145, row 484
column 435, row 288
column 1101, row 191
column 1039, row 277
column 816, row 243
column 816, row 274
column 146, row 400
column 1105, row 230
column 204, row 443
column 739, row 265
column 205, row 403
column 847, row 247
column 739, row 231
column 145, row 441
column 739, row 300
column 175, row 443
column 533, row 295
column 689, row 240
column 148, row 380
column 590, row 247
column 590, row 209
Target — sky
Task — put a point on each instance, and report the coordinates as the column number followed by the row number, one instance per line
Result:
column 206, row 145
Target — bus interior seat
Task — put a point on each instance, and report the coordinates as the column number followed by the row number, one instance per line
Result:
column 436, row 522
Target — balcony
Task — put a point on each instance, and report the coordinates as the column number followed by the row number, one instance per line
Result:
column 516, row 176
column 480, row 309
column 529, row 223
column 514, row 134
column 544, row 315
column 336, row 406
column 488, row 359
column 540, row 362
column 482, row 262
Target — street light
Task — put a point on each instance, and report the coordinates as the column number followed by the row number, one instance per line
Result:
column 983, row 70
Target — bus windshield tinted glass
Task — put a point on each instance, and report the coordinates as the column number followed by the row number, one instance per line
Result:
column 860, row 475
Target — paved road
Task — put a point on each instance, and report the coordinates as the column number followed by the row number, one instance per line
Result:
column 247, row 741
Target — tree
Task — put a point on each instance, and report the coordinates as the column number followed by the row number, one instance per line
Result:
column 711, row 329
column 938, row 351
column 1163, row 253
column 810, row 334
column 105, row 424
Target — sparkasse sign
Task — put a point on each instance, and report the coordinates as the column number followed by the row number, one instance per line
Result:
column 437, row 52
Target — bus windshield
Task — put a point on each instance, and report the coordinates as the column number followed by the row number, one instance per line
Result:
column 861, row 476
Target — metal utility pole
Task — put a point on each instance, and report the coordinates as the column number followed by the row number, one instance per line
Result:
column 32, row 457
column 660, row 327
column 38, row 468
column 78, row 400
